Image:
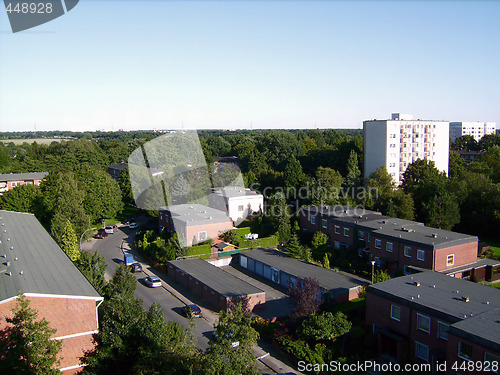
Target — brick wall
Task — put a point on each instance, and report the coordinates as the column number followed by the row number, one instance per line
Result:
column 69, row 316
column 464, row 254
column 478, row 353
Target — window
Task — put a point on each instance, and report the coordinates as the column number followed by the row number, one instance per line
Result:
column 420, row 254
column 346, row 232
column 406, row 270
column 492, row 358
column 240, row 208
column 423, row 323
column 450, row 260
column 389, row 246
column 313, row 220
column 443, row 330
column 337, row 229
column 407, row 251
column 421, row 351
column 392, row 145
column 464, row 350
column 368, row 237
column 361, row 235
column 202, row 236
column 396, row 312
column 378, row 244
column 324, row 223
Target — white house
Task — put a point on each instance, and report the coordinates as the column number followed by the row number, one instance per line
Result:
column 476, row 129
column 238, row 202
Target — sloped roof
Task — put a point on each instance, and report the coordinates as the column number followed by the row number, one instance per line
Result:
column 31, row 261
column 23, row 176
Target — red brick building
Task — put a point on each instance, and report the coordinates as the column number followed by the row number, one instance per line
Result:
column 193, row 223
column 34, row 265
column 426, row 316
column 394, row 244
column 11, row 180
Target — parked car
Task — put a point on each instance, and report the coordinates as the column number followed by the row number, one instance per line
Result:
column 109, row 229
column 136, row 267
column 152, row 281
column 133, row 225
column 192, row 311
column 100, row 235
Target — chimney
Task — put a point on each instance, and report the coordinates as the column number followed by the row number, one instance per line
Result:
column 416, row 283
column 465, row 299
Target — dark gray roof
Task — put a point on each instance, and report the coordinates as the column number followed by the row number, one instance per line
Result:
column 422, row 236
column 439, row 295
column 344, row 212
column 234, row 191
column 215, row 278
column 481, row 262
column 45, row 268
column 483, row 329
column 23, row 176
column 122, row 165
column 196, row 214
column 327, row 279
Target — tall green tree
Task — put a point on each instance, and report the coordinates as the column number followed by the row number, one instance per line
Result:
column 24, row 198
column 293, row 174
column 26, row 345
column 224, row 359
column 125, row 186
column 279, row 214
column 442, row 211
column 69, row 242
column 325, row 326
column 93, row 266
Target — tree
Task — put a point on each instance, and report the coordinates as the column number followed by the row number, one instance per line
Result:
column 442, row 211
column 22, row 198
column 69, row 242
column 221, row 357
column 123, row 282
column 293, row 175
column 93, row 266
column 352, row 179
column 327, row 186
column 279, row 214
column 125, row 186
column 465, row 143
column 326, row 261
column 306, row 296
column 325, row 326
column 381, row 276
column 26, row 345
column 319, row 240
column 456, row 165
column 293, row 247
column 102, row 194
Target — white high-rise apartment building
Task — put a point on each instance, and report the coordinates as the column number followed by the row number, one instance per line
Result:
column 401, row 140
column 476, row 129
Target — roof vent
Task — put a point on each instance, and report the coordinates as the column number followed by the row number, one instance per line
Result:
column 465, row 299
column 487, row 302
column 9, row 273
column 15, row 258
column 4, row 255
column 8, row 239
column 3, row 224
column 403, row 228
column 416, row 283
column 12, row 247
column 20, row 273
column 418, row 295
column 384, row 221
column 434, row 285
column 412, row 298
column 5, row 230
column 434, row 235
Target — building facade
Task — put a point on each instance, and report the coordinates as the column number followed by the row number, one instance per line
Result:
column 11, row 180
column 397, row 142
column 238, row 202
column 193, row 223
column 33, row 264
column 430, row 317
column 475, row 129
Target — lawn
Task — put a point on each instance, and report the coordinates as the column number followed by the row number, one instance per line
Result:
column 203, row 251
column 127, row 213
column 494, row 244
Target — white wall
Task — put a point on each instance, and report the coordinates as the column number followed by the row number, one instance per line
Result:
column 375, row 145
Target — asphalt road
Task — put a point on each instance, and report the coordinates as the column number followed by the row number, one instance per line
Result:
column 110, row 248
column 171, row 300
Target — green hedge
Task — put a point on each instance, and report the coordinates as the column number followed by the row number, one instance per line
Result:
column 203, row 251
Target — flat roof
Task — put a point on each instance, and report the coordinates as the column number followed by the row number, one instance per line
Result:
column 35, row 262
column 23, row 176
column 439, row 295
column 196, row 214
column 481, row 262
column 235, row 191
column 420, row 235
column 482, row 329
column 215, row 278
column 326, row 278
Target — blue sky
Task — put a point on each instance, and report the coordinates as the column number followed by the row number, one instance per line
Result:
column 232, row 64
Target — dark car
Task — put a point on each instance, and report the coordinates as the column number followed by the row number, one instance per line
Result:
column 100, row 235
column 136, row 267
column 192, row 311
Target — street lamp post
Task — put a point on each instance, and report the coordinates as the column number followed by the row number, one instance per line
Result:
column 81, row 237
column 373, row 268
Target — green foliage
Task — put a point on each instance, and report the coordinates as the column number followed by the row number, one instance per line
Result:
column 293, row 247
column 24, row 198
column 319, row 240
column 279, row 215
column 125, row 186
column 325, row 326
column 93, row 266
column 442, row 211
column 301, row 351
column 352, row 179
column 380, row 276
column 293, row 175
column 103, row 197
column 326, row 261
column 230, row 236
column 69, row 242
column 25, row 343
column 221, row 357
column 122, row 283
